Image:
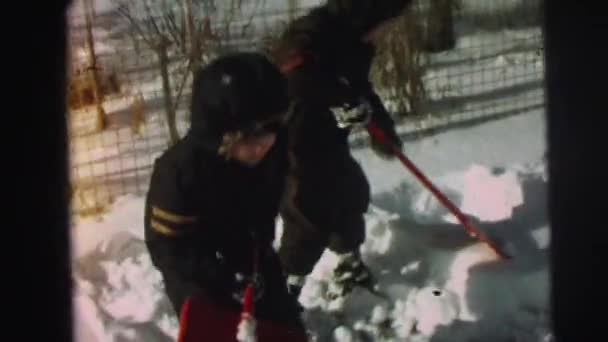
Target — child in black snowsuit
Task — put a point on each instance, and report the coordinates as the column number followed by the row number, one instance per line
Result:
column 326, row 56
column 214, row 196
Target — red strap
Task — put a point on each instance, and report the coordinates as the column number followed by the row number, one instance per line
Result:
column 248, row 296
column 296, row 59
column 248, row 300
column 292, row 63
column 183, row 320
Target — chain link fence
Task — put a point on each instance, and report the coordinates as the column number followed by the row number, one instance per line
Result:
column 460, row 62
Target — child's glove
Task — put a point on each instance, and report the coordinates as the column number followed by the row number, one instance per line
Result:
column 294, row 288
column 383, row 121
column 352, row 115
column 295, row 284
column 241, row 282
column 380, row 148
column 350, row 272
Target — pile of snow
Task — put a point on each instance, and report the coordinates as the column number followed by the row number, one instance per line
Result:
column 118, row 293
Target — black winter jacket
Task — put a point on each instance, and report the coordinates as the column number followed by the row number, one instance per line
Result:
column 204, row 215
column 335, row 72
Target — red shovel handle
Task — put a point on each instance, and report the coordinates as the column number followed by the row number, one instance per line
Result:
column 248, row 300
column 377, row 134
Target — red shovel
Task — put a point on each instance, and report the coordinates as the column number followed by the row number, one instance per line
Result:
column 377, row 134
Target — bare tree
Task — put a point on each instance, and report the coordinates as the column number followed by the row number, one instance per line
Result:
column 93, row 76
column 167, row 26
column 156, row 31
column 184, row 27
column 192, row 35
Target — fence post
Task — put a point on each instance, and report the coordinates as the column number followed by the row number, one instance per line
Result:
column 163, row 64
column 92, row 68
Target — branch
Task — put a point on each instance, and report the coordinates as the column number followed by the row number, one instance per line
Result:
column 170, row 23
column 228, row 19
column 181, row 87
column 248, row 24
column 169, row 19
column 125, row 12
column 152, row 20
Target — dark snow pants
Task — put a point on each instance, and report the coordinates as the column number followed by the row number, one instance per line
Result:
column 323, row 208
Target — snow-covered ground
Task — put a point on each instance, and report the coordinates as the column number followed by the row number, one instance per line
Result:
column 442, row 285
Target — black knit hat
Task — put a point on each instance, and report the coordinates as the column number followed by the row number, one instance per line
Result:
column 236, row 92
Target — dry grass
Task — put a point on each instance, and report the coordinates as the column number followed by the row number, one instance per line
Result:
column 399, row 64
